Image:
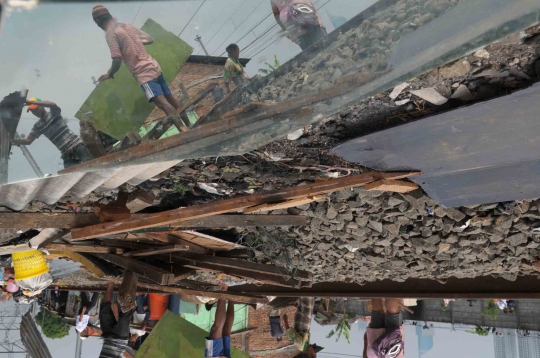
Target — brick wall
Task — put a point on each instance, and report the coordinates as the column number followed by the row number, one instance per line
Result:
column 191, row 72
column 260, row 339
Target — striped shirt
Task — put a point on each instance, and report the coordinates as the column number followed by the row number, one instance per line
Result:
column 113, row 348
column 55, row 128
column 126, row 42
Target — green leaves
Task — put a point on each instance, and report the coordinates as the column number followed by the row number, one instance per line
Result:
column 53, row 327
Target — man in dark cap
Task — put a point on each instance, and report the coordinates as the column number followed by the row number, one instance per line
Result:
column 126, row 43
column 52, row 125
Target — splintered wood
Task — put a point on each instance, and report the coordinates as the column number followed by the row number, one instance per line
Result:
column 230, row 205
column 128, row 291
column 395, row 186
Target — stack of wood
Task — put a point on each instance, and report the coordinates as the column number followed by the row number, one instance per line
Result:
column 164, row 250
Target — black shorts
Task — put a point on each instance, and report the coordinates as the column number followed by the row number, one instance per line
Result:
column 110, row 326
column 391, row 321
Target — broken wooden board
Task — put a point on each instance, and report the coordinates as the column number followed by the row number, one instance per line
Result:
column 14, row 220
column 395, row 186
column 146, row 270
column 285, row 205
column 83, row 248
column 234, row 204
column 157, row 251
column 207, row 241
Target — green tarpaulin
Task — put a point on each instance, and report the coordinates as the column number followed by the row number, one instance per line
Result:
column 174, row 337
column 118, row 106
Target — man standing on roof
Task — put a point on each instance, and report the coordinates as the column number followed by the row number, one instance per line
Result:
column 52, row 125
column 218, row 344
column 126, row 43
column 234, row 71
column 301, row 20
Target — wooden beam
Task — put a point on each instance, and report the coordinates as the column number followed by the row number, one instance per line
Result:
column 14, row 220
column 220, row 295
column 234, row 204
column 195, row 259
column 46, row 220
column 146, row 270
column 396, row 186
column 127, row 244
column 284, row 205
column 264, row 278
column 157, row 251
column 83, row 248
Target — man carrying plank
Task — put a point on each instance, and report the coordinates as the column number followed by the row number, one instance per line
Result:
column 126, row 43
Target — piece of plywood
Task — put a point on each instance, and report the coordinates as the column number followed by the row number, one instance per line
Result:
column 395, row 186
column 284, row 205
column 207, row 241
column 118, row 107
column 234, row 204
column 173, row 334
column 146, row 270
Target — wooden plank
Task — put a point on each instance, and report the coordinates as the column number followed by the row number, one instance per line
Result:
column 395, row 186
column 234, row 204
column 285, row 205
column 220, row 295
column 126, row 244
column 250, row 107
column 73, row 256
column 146, row 270
column 83, row 248
column 193, row 247
column 46, row 220
column 157, row 251
column 240, row 264
column 206, row 241
column 238, row 272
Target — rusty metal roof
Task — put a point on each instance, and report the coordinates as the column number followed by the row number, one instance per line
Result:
column 17, row 196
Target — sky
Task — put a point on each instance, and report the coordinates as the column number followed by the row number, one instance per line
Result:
column 54, row 50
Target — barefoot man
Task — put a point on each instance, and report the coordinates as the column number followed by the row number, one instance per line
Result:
column 218, row 344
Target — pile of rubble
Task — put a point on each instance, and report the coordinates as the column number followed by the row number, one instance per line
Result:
column 358, row 235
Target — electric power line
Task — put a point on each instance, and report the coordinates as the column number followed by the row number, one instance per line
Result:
column 191, row 18
column 137, row 14
column 245, row 19
column 261, row 45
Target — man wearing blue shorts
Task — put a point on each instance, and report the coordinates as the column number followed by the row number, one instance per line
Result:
column 218, row 344
column 126, row 43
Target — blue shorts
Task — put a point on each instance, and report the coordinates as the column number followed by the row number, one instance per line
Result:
column 220, row 347
column 156, row 88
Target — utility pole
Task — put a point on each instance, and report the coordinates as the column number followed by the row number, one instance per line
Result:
column 199, row 40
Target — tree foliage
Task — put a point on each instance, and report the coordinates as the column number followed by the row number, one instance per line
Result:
column 492, row 311
column 481, row 331
column 271, row 68
column 343, row 328
column 53, row 327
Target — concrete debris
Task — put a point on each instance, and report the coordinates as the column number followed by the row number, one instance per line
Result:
column 459, row 68
column 398, row 89
column 482, row 54
column 296, row 134
column 463, row 93
column 431, row 95
column 402, row 102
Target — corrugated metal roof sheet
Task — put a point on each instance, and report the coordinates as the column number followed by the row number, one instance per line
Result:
column 31, row 338
column 17, row 196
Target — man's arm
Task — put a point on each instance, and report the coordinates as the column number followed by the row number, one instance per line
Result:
column 116, row 63
column 26, row 141
column 276, row 12
column 82, row 314
column 47, row 104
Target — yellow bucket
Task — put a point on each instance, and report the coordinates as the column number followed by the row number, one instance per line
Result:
column 28, row 264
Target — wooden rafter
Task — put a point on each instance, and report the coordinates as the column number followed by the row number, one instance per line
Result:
column 234, row 204
column 146, row 270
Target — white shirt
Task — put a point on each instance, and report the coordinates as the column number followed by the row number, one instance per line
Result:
column 81, row 325
column 502, row 304
column 137, row 331
column 138, row 318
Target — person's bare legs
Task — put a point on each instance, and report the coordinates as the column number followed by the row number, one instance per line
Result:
column 377, row 305
column 216, row 331
column 229, row 322
column 392, row 306
column 164, row 105
column 172, row 101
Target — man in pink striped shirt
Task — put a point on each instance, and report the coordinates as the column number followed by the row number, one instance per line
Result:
column 126, row 43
